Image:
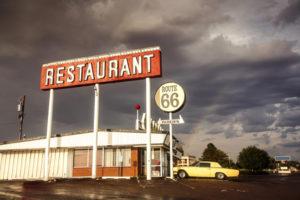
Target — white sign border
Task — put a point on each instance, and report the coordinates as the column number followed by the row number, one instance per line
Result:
column 179, row 108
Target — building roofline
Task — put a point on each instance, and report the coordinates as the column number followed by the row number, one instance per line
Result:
column 77, row 133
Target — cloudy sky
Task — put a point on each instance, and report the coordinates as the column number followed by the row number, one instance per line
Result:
column 238, row 61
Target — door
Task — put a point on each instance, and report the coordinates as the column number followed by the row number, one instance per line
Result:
column 201, row 170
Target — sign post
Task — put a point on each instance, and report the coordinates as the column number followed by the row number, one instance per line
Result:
column 49, row 130
column 137, row 122
column 148, row 126
column 96, row 121
column 170, row 97
column 171, row 147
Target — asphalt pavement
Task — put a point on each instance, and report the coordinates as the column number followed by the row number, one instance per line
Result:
column 246, row 187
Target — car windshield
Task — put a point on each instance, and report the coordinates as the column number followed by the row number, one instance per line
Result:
column 195, row 163
column 205, row 164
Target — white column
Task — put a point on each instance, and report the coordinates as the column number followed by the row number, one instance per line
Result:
column 161, row 161
column 103, row 156
column 137, row 125
column 171, row 146
column 49, row 130
column 148, row 127
column 96, row 121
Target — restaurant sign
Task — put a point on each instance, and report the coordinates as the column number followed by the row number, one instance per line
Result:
column 135, row 64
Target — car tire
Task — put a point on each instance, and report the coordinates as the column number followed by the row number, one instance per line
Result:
column 220, row 176
column 182, row 174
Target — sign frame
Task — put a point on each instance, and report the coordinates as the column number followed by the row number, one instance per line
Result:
column 114, row 67
column 181, row 104
column 283, row 158
column 173, row 121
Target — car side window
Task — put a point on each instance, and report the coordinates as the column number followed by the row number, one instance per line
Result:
column 204, row 165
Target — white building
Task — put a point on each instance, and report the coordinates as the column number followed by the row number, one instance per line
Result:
column 121, row 153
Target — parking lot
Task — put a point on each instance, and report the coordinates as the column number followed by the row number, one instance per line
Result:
column 246, row 187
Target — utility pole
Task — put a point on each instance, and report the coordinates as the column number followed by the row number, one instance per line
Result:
column 21, row 107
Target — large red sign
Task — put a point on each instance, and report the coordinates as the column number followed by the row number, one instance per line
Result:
column 121, row 66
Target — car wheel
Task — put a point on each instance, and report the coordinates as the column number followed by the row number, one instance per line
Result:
column 182, row 174
column 220, row 176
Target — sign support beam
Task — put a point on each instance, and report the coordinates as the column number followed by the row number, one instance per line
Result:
column 148, row 126
column 96, row 123
column 171, row 147
column 49, row 130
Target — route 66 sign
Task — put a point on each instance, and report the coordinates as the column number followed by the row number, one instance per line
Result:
column 170, row 97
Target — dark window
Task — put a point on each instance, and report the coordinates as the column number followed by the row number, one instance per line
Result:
column 117, row 157
column 204, row 164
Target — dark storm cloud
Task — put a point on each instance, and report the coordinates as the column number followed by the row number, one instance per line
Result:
column 67, row 28
column 249, row 86
column 293, row 101
column 232, row 88
column 290, row 14
column 243, row 84
column 56, row 30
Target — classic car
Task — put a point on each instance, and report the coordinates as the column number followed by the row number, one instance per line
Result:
column 205, row 169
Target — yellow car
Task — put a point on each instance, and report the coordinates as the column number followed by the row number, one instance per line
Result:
column 205, row 169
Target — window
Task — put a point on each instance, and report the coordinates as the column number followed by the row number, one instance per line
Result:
column 156, row 162
column 109, row 158
column 126, row 153
column 117, row 157
column 80, row 158
column 204, row 165
column 155, row 157
column 83, row 158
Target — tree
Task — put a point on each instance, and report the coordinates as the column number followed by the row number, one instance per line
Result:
column 253, row 158
column 272, row 163
column 211, row 153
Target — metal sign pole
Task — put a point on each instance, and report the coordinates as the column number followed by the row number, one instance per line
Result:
column 148, row 127
column 170, row 97
column 171, row 146
column 49, row 130
column 137, row 122
column 96, row 121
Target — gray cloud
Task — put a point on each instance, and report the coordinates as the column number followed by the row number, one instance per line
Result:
column 265, row 138
column 289, row 118
column 289, row 130
column 256, row 120
column 292, row 144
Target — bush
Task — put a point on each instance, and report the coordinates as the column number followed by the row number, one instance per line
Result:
column 253, row 159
